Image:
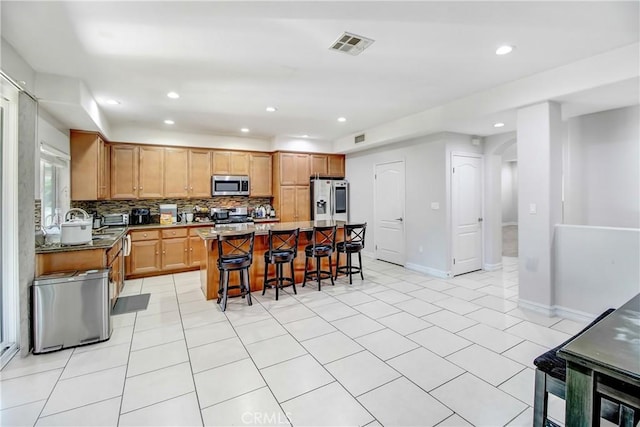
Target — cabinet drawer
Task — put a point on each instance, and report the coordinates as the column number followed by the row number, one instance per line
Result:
column 193, row 231
column 174, row 232
column 140, row 235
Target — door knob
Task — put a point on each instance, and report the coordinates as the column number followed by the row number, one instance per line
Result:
column 479, row 219
column 399, row 219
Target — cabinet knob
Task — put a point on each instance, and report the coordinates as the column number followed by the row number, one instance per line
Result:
column 164, row 252
column 140, row 188
column 157, row 253
column 191, row 188
column 174, row 232
column 144, row 235
column 185, row 249
column 185, row 188
column 134, row 188
column 191, row 249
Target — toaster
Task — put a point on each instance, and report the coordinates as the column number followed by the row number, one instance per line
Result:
column 115, row 219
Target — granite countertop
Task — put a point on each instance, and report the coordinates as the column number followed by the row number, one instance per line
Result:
column 262, row 229
column 268, row 219
column 104, row 240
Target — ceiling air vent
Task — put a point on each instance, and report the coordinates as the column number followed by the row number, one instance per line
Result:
column 352, row 44
column 359, row 138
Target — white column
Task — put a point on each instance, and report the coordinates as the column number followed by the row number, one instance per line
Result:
column 539, row 201
column 492, row 212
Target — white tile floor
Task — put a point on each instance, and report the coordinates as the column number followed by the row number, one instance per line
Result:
column 399, row 348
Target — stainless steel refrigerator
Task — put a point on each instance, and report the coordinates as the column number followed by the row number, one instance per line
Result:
column 329, row 199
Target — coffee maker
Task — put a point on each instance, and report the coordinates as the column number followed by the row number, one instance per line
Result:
column 140, row 216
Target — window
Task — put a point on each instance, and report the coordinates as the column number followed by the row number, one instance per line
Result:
column 49, row 189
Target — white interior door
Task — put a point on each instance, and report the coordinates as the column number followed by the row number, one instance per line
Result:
column 466, row 213
column 389, row 212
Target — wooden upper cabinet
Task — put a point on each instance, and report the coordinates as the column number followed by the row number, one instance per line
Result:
column 294, row 203
column 294, row 169
column 336, row 165
column 89, row 166
column 124, row 171
column 230, row 163
column 151, row 172
column 318, row 164
column 199, row 173
column 176, row 172
column 260, row 174
column 239, row 163
column 221, row 163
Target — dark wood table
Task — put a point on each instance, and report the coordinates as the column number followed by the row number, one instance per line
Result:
column 605, row 355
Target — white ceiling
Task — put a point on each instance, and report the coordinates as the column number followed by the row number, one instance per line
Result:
column 230, row 60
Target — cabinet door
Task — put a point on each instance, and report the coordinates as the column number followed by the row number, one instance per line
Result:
column 221, row 163
column 196, row 251
column 336, row 165
column 103, row 169
column 318, row 164
column 287, row 167
column 260, row 175
column 144, row 257
column 303, row 210
column 151, row 174
column 287, row 203
column 239, row 163
column 302, row 169
column 199, row 173
column 175, row 253
column 176, row 169
column 124, row 172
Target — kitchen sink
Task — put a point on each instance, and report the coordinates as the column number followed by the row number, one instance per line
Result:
column 103, row 237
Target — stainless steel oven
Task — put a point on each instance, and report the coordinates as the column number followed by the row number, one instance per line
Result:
column 230, row 185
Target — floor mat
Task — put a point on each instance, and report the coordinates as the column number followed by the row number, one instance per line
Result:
column 130, row 304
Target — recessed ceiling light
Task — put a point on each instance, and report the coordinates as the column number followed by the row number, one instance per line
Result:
column 112, row 102
column 271, row 109
column 498, row 125
column 342, row 119
column 245, row 130
column 504, row 49
column 169, row 122
column 305, row 136
column 173, row 95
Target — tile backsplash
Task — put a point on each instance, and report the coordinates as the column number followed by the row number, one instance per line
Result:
column 124, row 206
column 37, row 213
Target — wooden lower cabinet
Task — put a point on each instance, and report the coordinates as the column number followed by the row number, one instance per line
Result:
column 166, row 250
column 144, row 257
column 175, row 253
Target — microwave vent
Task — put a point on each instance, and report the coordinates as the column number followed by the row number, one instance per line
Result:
column 352, row 44
column 359, row 138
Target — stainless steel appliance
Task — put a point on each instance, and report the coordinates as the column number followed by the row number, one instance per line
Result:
column 70, row 309
column 329, row 199
column 230, row 185
column 115, row 219
column 140, row 216
column 238, row 215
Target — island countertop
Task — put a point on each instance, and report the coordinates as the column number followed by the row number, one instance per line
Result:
column 212, row 233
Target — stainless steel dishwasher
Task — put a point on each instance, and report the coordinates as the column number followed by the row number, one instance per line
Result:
column 70, row 309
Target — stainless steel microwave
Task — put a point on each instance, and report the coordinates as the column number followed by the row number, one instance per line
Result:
column 229, row 185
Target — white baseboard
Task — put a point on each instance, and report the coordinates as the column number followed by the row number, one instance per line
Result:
column 569, row 313
column 428, row 270
column 557, row 311
column 538, row 308
column 504, row 224
column 492, row 267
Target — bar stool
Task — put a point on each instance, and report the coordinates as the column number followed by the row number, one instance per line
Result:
column 353, row 243
column 235, row 253
column 283, row 249
column 323, row 243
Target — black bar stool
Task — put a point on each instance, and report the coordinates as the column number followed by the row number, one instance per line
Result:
column 323, row 243
column 235, row 253
column 283, row 249
column 353, row 243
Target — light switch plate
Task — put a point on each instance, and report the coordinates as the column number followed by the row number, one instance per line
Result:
column 435, row 206
column 533, row 208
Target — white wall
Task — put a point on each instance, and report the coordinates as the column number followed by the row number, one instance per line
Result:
column 53, row 133
column 509, row 193
column 426, row 165
column 595, row 268
column 602, row 169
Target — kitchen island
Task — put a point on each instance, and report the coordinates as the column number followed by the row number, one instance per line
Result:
column 209, row 277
